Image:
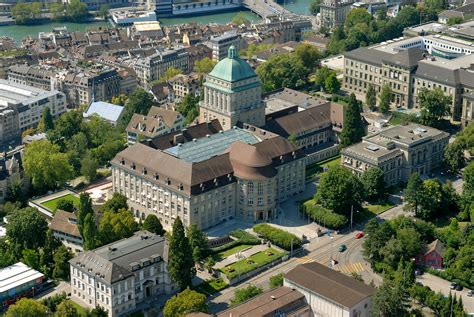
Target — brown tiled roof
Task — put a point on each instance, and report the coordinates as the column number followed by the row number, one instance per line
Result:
column 268, row 304
column 61, row 222
column 169, row 117
column 436, row 246
column 329, row 284
column 297, row 122
column 197, row 131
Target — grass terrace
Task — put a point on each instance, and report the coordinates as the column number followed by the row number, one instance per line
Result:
column 318, row 167
column 53, row 203
column 224, row 254
column 212, row 286
column 251, row 263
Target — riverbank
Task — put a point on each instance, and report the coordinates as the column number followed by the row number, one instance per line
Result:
column 18, row 32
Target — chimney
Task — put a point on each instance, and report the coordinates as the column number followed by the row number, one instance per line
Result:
column 178, row 138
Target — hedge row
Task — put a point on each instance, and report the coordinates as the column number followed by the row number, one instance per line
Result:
column 323, row 216
column 243, row 237
column 279, row 237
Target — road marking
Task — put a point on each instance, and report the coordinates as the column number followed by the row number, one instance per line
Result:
column 353, row 268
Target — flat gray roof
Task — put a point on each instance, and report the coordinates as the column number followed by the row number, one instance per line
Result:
column 13, row 93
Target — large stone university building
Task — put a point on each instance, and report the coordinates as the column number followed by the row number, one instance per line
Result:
column 233, row 93
column 206, row 175
column 408, row 65
column 398, row 151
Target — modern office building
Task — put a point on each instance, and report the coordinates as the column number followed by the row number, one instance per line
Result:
column 232, row 94
column 121, row 275
column 206, row 176
column 18, row 281
column 329, row 292
column 28, row 102
column 398, row 151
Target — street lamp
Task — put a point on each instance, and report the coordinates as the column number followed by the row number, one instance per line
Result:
column 332, row 240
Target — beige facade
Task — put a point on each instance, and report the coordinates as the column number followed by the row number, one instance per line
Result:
column 398, row 151
column 333, row 13
column 232, row 93
column 154, row 67
column 117, row 281
column 467, row 108
column 213, row 179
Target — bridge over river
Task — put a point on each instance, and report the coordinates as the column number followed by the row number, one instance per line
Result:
column 266, row 8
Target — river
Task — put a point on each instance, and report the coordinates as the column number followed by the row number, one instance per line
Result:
column 18, row 32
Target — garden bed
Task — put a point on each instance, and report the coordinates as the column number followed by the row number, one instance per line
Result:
column 251, row 263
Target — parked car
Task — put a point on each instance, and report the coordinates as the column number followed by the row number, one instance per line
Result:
column 458, row 287
column 342, row 248
column 359, row 235
column 453, row 285
column 470, row 293
column 418, row 272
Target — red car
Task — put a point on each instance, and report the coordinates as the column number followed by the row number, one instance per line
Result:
column 359, row 235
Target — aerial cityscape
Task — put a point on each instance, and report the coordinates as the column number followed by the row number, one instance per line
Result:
column 237, row 158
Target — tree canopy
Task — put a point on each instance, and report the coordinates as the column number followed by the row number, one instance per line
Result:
column 434, row 106
column 353, row 129
column 373, row 181
column 180, row 262
column 26, row 228
column 339, row 189
column 204, row 66
column 186, row 302
column 153, row 224
column 246, row 293
column 27, row 307
column 140, row 101
column 46, row 166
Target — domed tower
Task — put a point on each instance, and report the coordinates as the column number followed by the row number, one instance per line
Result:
column 232, row 93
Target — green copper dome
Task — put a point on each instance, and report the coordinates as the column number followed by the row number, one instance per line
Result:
column 232, row 68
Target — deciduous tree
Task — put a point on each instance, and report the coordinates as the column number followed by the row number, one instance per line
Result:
column 332, row 84
column 373, row 181
column 385, row 99
column 66, row 309
column 204, row 66
column 27, row 228
column 371, row 98
column 61, row 268
column 27, row 307
column 116, row 203
column 153, row 224
column 454, row 157
column 89, row 166
column 434, row 106
column 339, row 189
column 45, row 165
column 309, row 55
column 389, row 300
column 243, row 294
column 184, row 303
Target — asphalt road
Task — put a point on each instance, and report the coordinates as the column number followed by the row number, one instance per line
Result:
column 440, row 285
column 320, row 250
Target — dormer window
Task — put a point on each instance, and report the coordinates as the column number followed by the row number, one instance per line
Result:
column 122, row 161
column 180, row 186
column 144, row 171
column 168, row 181
column 133, row 166
column 157, row 177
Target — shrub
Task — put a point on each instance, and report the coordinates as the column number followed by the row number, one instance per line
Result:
column 323, row 215
column 279, row 237
column 243, row 237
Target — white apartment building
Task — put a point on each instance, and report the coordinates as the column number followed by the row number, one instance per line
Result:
column 120, row 275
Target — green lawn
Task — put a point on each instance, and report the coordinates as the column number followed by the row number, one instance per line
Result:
column 316, row 168
column 212, row 286
column 51, row 204
column 226, row 253
column 81, row 311
column 378, row 209
column 257, row 260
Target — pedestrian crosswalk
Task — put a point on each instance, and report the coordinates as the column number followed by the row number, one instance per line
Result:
column 352, row 268
column 304, row 259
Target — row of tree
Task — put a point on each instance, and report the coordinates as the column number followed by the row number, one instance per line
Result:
column 30, row 12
